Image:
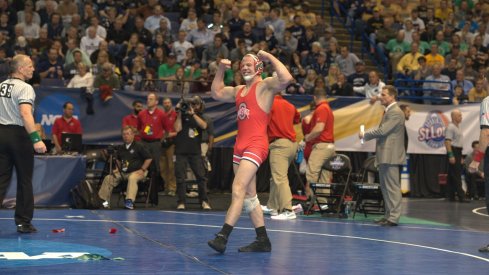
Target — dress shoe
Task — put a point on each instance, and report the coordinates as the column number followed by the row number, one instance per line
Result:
column 380, row 221
column 463, row 200
column 484, row 249
column 26, row 228
column 387, row 223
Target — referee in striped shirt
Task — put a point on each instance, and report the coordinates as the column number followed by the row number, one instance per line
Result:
column 19, row 139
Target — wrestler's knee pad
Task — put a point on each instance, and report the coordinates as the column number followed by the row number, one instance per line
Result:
column 250, row 204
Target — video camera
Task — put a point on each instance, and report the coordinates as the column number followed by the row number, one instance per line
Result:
column 112, row 150
column 184, row 105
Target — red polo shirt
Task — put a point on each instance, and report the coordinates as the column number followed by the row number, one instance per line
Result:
column 152, row 126
column 61, row 125
column 131, row 120
column 283, row 116
column 323, row 114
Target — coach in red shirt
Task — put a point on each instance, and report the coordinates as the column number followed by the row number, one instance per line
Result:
column 65, row 124
column 283, row 147
column 153, row 127
column 132, row 119
column 321, row 137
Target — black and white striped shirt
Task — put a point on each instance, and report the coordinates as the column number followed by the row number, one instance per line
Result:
column 14, row 92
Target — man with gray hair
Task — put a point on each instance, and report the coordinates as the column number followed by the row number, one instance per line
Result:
column 19, row 139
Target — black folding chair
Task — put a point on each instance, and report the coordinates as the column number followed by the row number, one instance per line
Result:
column 368, row 196
column 329, row 197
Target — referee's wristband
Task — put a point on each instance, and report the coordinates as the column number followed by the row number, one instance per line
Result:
column 35, row 137
column 478, row 156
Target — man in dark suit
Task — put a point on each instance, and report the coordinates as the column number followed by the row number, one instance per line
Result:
column 390, row 153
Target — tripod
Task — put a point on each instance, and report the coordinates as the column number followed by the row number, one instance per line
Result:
column 111, row 163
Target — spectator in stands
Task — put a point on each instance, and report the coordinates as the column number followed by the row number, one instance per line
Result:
column 382, row 36
column 117, row 36
column 346, row 61
column 189, row 23
column 465, row 35
column 177, row 83
column 147, row 9
column 51, row 68
column 443, row 10
column 458, row 96
column 29, row 8
column 215, row 49
column 30, row 29
column 396, row 48
column 297, row 29
column 134, row 79
column 67, row 8
column 203, row 84
column 438, row 84
column 181, row 46
column 190, row 59
column 443, row 46
column 288, row 45
column 270, row 39
column 216, row 25
column 107, row 77
column 144, row 34
column 424, row 47
column 460, row 80
column 99, row 30
column 418, row 23
column 134, row 161
column 65, row 124
column 157, row 59
column 332, row 76
column 168, row 69
column 309, row 81
column 408, row 64
column 153, row 22
column 373, row 88
column 200, row 37
column 450, row 69
column 251, row 14
column 277, row 23
column 408, row 29
column 235, row 24
column 319, row 63
column 469, row 71
column 165, row 31
column 304, row 45
column 82, row 79
column 455, row 54
column 90, row 42
column 247, row 34
column 55, row 26
column 341, row 87
column 71, row 69
column 360, row 78
column 434, row 57
column 479, row 92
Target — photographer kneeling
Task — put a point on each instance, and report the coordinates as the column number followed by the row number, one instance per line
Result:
column 189, row 127
column 134, row 160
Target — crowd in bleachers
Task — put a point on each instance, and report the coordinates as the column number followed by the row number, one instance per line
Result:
column 167, row 45
column 427, row 40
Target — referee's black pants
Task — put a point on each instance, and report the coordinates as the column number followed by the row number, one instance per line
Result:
column 16, row 150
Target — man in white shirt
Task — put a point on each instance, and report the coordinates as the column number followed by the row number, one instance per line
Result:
column 90, row 42
column 153, row 22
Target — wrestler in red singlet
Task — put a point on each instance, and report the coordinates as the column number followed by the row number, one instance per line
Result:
column 252, row 141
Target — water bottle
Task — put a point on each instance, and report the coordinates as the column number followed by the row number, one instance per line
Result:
column 347, row 208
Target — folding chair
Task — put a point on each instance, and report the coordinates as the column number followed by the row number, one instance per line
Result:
column 144, row 191
column 332, row 195
column 368, row 196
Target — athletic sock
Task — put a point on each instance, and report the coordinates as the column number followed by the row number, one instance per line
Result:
column 261, row 232
column 226, row 230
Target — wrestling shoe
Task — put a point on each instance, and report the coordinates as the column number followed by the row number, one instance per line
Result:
column 206, row 206
column 219, row 243
column 260, row 245
column 181, row 206
column 106, row 204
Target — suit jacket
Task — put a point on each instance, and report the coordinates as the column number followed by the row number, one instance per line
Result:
column 390, row 137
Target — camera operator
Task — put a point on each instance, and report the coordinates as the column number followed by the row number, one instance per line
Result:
column 189, row 126
column 207, row 141
column 134, row 160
